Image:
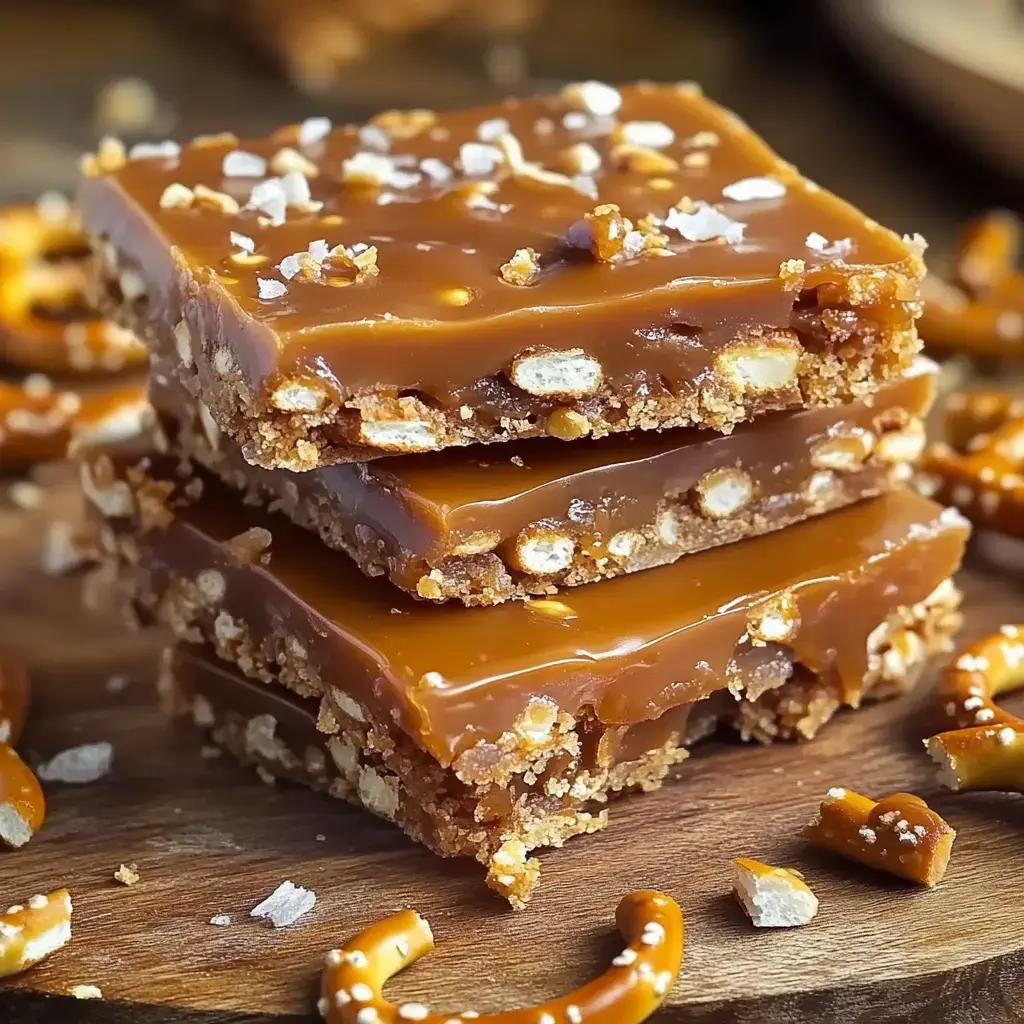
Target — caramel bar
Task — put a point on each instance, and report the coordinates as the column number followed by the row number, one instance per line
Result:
column 470, row 726
column 528, row 517
column 595, row 261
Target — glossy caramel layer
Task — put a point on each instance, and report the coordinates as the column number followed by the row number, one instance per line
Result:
column 628, row 648
column 416, row 513
column 437, row 314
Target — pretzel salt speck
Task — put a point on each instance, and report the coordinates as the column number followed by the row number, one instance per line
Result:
column 979, row 466
column 627, row 993
column 984, row 748
column 30, row 932
column 900, row 834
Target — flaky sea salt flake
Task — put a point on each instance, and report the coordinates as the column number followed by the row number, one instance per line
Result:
column 285, row 905
column 270, row 289
column 78, row 765
column 705, row 223
column 314, row 130
column 240, row 164
column 748, row 189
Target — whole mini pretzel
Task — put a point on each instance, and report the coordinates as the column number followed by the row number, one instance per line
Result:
column 627, row 993
column 979, row 467
column 30, row 932
column 900, row 834
column 985, row 315
column 984, row 748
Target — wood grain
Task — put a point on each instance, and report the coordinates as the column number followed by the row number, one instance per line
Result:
column 209, row 838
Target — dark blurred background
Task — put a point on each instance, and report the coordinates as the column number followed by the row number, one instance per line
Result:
column 913, row 109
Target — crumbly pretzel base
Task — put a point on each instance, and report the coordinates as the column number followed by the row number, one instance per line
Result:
column 500, row 800
column 678, row 529
column 828, row 373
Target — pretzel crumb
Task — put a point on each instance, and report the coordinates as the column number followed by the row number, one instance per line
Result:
column 85, row 992
column 127, row 874
column 773, row 897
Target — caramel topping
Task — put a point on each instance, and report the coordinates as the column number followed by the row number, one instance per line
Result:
column 630, row 648
column 445, row 211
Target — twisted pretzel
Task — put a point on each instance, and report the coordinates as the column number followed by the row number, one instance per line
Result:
column 900, row 834
column 627, row 993
column 980, row 467
column 984, row 316
column 45, row 324
column 984, row 749
column 29, row 933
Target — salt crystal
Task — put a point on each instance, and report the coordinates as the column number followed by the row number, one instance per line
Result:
column 747, row 189
column 221, row 920
column 704, row 224
column 820, row 244
column 314, row 130
column 654, row 134
column 270, row 289
column 269, row 197
column 285, row 905
column 478, row 158
column 488, row 131
column 166, row 150
column 85, row 763
column 436, row 170
column 290, row 265
column 243, row 242
column 575, row 121
column 319, row 250
column 374, row 137
column 296, row 188
column 239, row 164
column 599, row 98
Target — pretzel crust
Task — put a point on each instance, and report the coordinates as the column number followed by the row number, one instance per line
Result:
column 984, row 748
column 43, row 323
column 979, row 467
column 900, row 834
column 773, row 897
column 983, row 314
column 627, row 993
column 29, row 933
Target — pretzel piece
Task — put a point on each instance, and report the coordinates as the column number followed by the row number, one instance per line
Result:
column 985, row 315
column 627, row 993
column 979, row 467
column 984, row 748
column 22, row 805
column 773, row 897
column 46, row 326
column 42, row 231
column 900, row 834
column 29, row 933
column 37, row 421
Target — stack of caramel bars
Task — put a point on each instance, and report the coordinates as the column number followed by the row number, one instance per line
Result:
column 506, row 453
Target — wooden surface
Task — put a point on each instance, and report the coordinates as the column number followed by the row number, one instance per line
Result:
column 209, row 838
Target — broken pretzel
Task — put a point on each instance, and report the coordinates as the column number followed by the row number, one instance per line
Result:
column 900, row 834
column 627, row 993
column 29, row 933
column 985, row 748
column 773, row 897
column 979, row 467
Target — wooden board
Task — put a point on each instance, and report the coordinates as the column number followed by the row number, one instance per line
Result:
column 209, row 838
